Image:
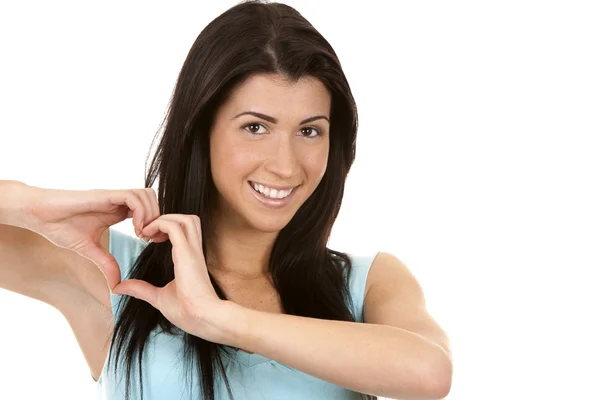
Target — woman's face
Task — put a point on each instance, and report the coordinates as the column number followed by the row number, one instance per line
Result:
column 273, row 133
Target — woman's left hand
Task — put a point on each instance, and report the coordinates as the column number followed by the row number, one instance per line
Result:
column 189, row 301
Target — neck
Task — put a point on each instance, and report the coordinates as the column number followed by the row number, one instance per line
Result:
column 238, row 252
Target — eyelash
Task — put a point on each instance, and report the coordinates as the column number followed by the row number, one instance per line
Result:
column 304, row 127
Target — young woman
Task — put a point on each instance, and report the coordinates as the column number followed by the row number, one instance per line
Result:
column 232, row 293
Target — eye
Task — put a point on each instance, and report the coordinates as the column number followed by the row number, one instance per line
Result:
column 309, row 129
column 253, row 128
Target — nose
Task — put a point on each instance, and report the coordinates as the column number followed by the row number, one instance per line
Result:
column 282, row 159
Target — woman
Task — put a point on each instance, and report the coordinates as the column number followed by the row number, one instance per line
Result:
column 233, row 292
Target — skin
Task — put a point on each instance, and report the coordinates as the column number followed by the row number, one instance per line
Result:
column 249, row 148
column 403, row 352
column 279, row 139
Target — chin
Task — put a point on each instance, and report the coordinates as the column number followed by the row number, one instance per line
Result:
column 273, row 226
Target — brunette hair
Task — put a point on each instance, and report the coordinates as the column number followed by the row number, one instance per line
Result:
column 250, row 38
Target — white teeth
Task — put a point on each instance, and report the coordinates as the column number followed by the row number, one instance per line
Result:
column 269, row 192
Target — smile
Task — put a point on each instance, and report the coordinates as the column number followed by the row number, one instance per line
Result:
column 270, row 192
column 268, row 197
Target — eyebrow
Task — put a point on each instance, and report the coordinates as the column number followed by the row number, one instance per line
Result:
column 274, row 120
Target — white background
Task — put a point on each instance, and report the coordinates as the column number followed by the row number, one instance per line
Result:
column 477, row 165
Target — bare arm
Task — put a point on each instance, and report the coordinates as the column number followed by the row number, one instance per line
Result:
column 34, row 267
column 54, row 248
column 11, row 203
column 29, row 263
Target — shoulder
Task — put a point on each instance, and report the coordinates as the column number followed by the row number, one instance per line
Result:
column 375, row 268
column 389, row 271
column 391, row 282
column 394, row 297
column 381, row 280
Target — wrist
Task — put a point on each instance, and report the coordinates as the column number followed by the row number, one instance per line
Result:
column 236, row 327
column 15, row 203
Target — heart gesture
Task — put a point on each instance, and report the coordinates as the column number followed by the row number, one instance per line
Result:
column 189, row 301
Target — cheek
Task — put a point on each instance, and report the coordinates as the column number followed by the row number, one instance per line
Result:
column 231, row 160
column 222, row 162
column 316, row 162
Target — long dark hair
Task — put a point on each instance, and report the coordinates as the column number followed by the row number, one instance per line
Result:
column 313, row 281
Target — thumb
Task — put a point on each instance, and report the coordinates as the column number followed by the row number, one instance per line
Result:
column 105, row 261
column 140, row 290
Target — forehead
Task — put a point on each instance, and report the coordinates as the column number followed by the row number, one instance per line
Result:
column 276, row 96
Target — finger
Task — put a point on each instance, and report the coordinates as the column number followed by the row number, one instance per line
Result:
column 152, row 233
column 188, row 226
column 198, row 225
column 191, row 227
column 131, row 200
column 165, row 225
column 186, row 258
column 141, row 193
column 153, row 211
column 105, row 261
column 153, row 203
column 140, row 290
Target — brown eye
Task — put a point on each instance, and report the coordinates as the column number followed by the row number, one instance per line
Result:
column 308, row 130
column 253, row 128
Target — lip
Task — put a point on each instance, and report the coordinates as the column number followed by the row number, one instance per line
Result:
column 272, row 203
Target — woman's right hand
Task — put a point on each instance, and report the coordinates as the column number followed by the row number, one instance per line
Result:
column 76, row 219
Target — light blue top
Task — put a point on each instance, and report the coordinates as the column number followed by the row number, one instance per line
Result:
column 251, row 376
